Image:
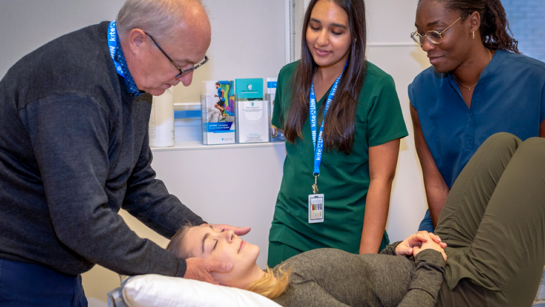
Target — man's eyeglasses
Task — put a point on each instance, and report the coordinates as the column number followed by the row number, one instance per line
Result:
column 433, row 36
column 182, row 71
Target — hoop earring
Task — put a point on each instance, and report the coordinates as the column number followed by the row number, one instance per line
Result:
column 473, row 34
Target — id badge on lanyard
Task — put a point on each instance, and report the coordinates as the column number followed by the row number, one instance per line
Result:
column 316, row 202
column 316, row 208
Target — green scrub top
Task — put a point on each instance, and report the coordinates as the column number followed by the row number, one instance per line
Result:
column 344, row 179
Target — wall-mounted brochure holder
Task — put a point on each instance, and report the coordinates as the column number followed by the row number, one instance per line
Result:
column 218, row 104
column 252, row 115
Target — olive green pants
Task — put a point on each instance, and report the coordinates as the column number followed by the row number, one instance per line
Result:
column 494, row 221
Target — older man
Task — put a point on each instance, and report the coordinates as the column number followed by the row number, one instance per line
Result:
column 74, row 151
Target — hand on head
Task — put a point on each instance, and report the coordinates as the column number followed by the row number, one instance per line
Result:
column 202, row 268
column 420, row 241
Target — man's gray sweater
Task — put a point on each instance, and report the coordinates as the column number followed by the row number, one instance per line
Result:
column 73, row 152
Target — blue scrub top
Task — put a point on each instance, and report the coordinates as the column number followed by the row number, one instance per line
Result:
column 510, row 97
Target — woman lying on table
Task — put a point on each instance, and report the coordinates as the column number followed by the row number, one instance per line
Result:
column 493, row 223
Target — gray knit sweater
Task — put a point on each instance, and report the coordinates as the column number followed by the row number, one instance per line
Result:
column 73, row 152
column 331, row 277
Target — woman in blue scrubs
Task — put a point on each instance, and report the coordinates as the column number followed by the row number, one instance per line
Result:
column 479, row 84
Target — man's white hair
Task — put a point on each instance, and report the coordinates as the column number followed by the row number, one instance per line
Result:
column 157, row 17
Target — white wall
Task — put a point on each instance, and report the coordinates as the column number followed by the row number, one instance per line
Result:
column 234, row 184
column 247, row 35
column 27, row 24
column 247, row 42
column 408, row 203
column 389, row 24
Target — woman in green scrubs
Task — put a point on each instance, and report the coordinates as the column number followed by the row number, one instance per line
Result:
column 336, row 185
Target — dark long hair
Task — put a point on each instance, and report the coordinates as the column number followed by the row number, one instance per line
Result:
column 339, row 120
column 494, row 24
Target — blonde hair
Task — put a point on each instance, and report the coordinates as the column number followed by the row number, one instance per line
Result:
column 157, row 17
column 273, row 284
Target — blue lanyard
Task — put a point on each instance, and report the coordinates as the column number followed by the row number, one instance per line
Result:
column 319, row 144
column 121, row 63
column 112, row 44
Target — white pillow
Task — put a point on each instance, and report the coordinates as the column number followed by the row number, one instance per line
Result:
column 157, row 290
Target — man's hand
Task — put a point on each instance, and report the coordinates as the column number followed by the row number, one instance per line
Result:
column 239, row 231
column 201, row 269
column 406, row 248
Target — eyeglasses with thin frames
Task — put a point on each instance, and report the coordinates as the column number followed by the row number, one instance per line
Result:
column 182, row 71
column 433, row 36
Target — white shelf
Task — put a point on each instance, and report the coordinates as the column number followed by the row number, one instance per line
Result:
column 199, row 146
